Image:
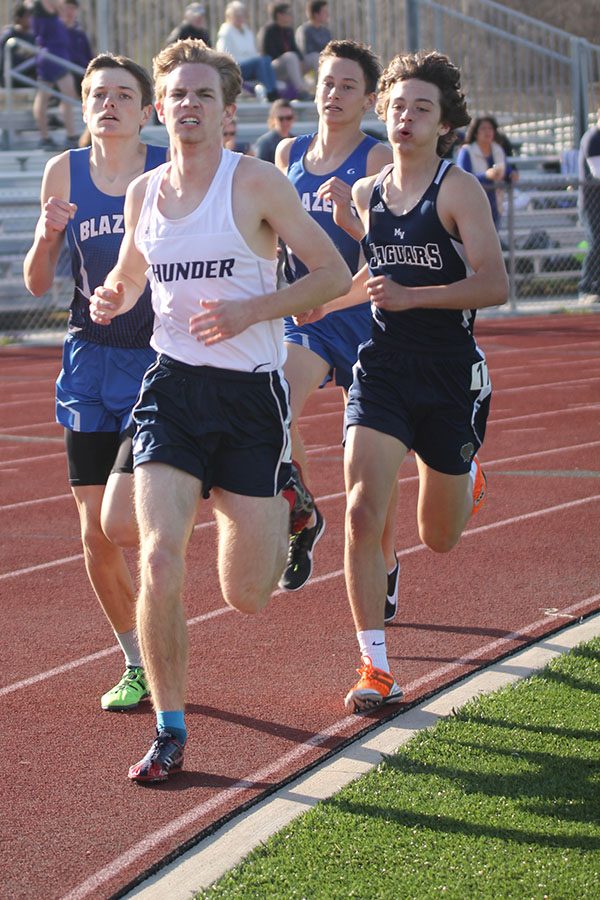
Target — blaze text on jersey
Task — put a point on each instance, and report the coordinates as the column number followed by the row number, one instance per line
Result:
column 405, row 254
column 198, row 268
column 91, row 228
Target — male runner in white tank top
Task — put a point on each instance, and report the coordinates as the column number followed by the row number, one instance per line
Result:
column 213, row 414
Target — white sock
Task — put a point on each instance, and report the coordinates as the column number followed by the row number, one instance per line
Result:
column 473, row 474
column 372, row 644
column 130, row 647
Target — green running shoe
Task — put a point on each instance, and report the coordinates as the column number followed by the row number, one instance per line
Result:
column 131, row 689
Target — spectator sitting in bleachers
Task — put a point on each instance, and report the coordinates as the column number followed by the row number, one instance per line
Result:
column 192, row 26
column 236, row 38
column 230, row 139
column 80, row 47
column 20, row 28
column 276, row 39
column 280, row 122
column 51, row 33
column 483, row 156
column 313, row 35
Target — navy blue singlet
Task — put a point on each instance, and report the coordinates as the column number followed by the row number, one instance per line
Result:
column 415, row 250
column 94, row 238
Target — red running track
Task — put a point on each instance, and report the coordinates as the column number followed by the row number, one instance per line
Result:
column 266, row 692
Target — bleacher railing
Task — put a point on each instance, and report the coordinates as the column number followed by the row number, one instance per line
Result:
column 15, row 77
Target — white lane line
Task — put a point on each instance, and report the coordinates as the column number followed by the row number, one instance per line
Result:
column 48, row 424
column 541, row 415
column 28, row 400
column 29, row 459
column 29, row 439
column 338, row 573
column 489, row 338
column 324, row 498
column 494, row 421
column 546, row 384
column 315, row 451
column 92, row 657
column 37, row 502
column 271, row 771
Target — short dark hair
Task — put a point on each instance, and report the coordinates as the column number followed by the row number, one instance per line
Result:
column 359, row 53
column 20, row 10
column 435, row 68
column 110, row 61
column 275, row 9
column 315, row 6
column 276, row 105
column 471, row 135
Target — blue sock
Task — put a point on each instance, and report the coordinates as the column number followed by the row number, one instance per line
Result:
column 172, row 720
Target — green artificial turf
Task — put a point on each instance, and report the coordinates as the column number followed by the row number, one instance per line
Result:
column 500, row 800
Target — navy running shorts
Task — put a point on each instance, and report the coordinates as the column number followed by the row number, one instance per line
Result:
column 227, row 428
column 437, row 406
column 99, row 385
column 335, row 338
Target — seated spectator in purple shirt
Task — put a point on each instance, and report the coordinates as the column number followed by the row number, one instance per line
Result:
column 80, row 48
column 51, row 33
column 276, row 39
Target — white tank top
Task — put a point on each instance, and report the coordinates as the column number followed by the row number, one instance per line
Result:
column 204, row 256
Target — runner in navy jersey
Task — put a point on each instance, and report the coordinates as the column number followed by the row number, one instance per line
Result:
column 83, row 196
column 323, row 167
column 421, row 383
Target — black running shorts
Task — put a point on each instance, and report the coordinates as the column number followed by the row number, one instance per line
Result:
column 437, row 406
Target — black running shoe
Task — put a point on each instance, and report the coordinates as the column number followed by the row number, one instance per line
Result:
column 298, row 494
column 391, row 600
column 164, row 756
column 300, row 555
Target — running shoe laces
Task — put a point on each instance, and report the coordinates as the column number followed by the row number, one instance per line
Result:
column 374, row 688
column 131, row 689
column 164, row 757
column 300, row 555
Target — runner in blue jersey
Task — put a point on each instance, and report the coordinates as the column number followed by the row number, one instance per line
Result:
column 421, row 382
column 323, row 167
column 83, row 195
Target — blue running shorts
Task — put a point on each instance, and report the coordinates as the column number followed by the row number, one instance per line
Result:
column 99, row 385
column 228, row 429
column 335, row 338
column 437, row 406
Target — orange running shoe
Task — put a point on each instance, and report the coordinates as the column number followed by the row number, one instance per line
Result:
column 479, row 487
column 374, row 688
